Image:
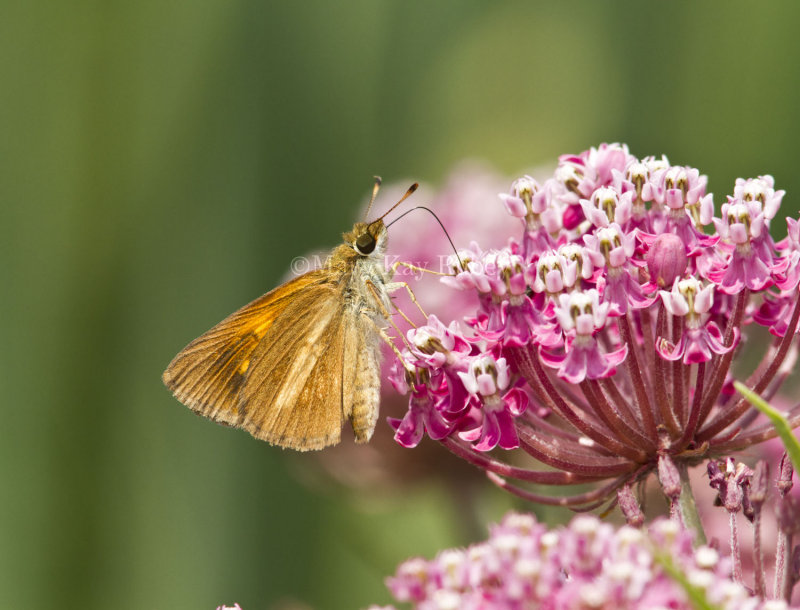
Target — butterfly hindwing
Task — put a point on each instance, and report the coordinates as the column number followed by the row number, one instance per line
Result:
column 293, row 393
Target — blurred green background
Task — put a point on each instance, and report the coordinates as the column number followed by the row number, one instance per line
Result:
column 161, row 162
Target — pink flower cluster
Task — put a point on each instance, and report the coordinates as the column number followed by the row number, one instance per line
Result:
column 588, row 564
column 606, row 329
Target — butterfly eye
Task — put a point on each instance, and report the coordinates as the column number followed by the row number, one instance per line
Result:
column 365, row 243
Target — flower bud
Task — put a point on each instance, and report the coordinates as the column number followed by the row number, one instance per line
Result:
column 785, row 477
column 666, row 259
column 759, row 483
column 630, row 506
column 669, row 476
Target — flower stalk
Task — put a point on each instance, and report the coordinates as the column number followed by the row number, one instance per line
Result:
column 688, row 507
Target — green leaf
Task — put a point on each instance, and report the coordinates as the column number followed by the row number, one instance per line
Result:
column 778, row 420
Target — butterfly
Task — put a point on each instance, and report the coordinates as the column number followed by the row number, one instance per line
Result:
column 292, row 366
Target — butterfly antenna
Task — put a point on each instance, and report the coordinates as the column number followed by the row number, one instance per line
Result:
column 375, row 190
column 432, row 213
column 408, row 194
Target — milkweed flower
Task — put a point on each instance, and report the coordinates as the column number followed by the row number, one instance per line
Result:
column 692, row 300
column 605, row 332
column 587, row 564
column 488, row 382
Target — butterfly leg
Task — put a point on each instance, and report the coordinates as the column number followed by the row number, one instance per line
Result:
column 393, row 286
column 388, row 340
column 401, row 312
column 413, row 267
column 387, row 315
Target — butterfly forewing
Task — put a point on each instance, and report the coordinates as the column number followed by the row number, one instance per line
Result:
column 208, row 374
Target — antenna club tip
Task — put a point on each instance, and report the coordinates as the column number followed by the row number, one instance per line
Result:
column 378, row 180
column 413, row 187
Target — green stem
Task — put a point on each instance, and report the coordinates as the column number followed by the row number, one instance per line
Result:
column 779, row 421
column 688, row 507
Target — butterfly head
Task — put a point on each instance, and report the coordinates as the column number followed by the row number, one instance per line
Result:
column 367, row 239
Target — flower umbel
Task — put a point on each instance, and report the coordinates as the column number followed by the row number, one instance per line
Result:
column 588, row 564
column 607, row 329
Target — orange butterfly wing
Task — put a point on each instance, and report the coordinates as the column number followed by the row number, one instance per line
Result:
column 294, row 396
column 209, row 373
